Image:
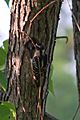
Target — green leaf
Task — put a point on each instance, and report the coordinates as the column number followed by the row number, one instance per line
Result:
column 4, row 113
column 2, row 68
column 7, row 1
column 2, row 57
column 3, row 82
column 5, row 43
column 51, row 87
column 9, row 110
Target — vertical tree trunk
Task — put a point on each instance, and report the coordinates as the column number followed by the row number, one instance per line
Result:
column 76, row 32
column 33, row 21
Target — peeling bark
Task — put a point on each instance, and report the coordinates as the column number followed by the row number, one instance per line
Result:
column 29, row 99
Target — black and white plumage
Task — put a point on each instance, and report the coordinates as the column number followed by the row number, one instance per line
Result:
column 36, row 69
column 38, row 63
column 38, row 60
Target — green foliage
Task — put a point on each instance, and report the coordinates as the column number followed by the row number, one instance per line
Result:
column 2, row 81
column 7, row 111
column 2, row 57
column 7, row 1
column 51, row 87
column 3, row 53
column 5, row 44
column 6, row 108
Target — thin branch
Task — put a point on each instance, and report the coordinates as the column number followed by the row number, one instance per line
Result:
column 62, row 37
column 35, row 16
column 40, row 11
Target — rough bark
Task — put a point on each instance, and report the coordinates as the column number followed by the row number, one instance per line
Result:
column 76, row 33
column 28, row 98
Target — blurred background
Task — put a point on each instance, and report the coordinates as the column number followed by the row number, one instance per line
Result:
column 62, row 102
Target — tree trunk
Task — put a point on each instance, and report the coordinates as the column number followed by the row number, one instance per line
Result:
column 76, row 32
column 33, row 23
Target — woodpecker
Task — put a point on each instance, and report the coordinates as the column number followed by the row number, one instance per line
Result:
column 38, row 60
column 39, row 63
